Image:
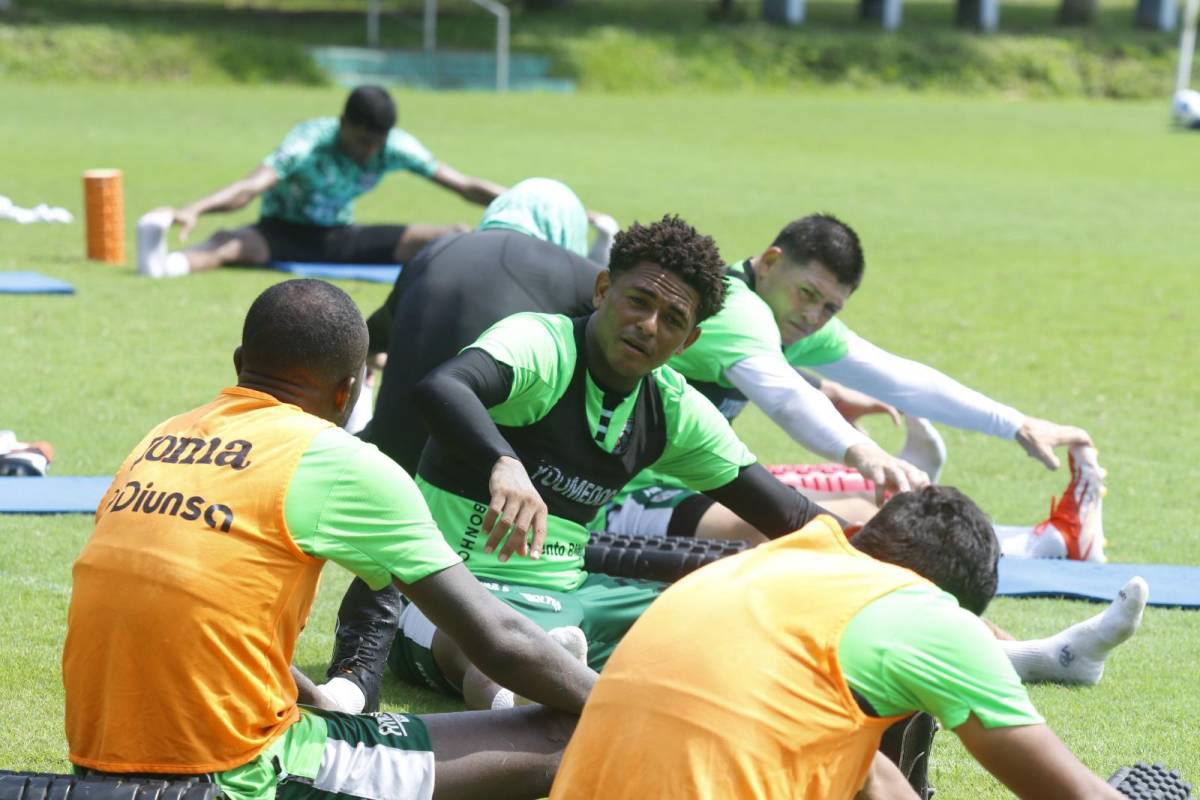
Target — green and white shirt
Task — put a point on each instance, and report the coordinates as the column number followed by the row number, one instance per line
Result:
column 318, row 182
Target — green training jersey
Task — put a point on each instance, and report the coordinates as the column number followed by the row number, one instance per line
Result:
column 579, row 443
column 318, row 182
column 916, row 649
column 350, row 504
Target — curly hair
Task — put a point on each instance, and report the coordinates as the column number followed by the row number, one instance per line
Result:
column 677, row 247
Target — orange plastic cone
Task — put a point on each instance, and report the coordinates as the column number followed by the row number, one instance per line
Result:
column 104, row 207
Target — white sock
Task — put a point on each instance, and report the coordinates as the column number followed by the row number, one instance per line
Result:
column 1077, row 654
column 176, row 265
column 152, row 242
column 924, row 447
column 346, row 694
column 573, row 640
column 503, row 699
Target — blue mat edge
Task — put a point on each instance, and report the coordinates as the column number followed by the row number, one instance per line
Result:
column 39, row 283
column 375, row 273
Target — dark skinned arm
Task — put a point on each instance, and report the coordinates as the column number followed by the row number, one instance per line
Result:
column 1032, row 762
column 504, row 645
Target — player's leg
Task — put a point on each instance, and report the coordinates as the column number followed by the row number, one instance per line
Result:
column 1077, row 654
column 497, row 754
column 417, row 235
column 328, row 755
column 366, row 625
column 247, row 245
column 610, row 607
column 424, row 656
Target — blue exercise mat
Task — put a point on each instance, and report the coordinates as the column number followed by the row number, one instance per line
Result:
column 1170, row 585
column 376, row 273
column 32, row 283
column 52, row 495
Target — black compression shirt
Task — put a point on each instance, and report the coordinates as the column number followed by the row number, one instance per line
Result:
column 445, row 298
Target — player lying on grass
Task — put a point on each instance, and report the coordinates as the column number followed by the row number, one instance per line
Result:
column 540, row 421
column 774, row 673
column 780, row 316
column 526, row 255
column 308, row 186
column 189, row 596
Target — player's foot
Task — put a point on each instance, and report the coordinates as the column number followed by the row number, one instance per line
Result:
column 345, row 694
column 1075, row 527
column 1077, row 654
column 23, row 460
column 152, row 242
column 924, row 447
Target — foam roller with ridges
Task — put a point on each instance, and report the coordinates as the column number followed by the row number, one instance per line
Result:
column 656, row 558
column 44, row 786
column 833, row 478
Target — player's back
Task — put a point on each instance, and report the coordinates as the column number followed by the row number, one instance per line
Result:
column 452, row 292
column 729, row 685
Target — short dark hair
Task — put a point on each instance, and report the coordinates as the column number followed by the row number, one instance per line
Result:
column 940, row 534
column 370, row 107
column 828, row 240
column 677, row 247
column 304, row 326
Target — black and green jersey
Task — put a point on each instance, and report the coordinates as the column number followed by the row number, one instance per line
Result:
column 579, row 443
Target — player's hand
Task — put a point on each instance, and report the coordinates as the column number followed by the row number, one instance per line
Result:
column 186, row 220
column 888, row 473
column 1040, row 437
column 516, row 511
column 853, row 404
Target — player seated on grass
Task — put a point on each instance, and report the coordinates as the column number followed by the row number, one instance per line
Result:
column 779, row 316
column 544, row 418
column 541, row 399
column 774, row 673
column 308, row 185
column 526, row 255
column 189, row 595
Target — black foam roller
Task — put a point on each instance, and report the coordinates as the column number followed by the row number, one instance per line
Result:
column 658, row 558
column 43, row 786
column 1150, row 782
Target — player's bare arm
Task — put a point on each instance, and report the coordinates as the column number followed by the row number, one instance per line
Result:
column 1033, row 762
column 470, row 188
column 229, row 198
column 504, row 645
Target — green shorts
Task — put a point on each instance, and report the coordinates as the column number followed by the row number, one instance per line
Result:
column 604, row 607
column 330, row 756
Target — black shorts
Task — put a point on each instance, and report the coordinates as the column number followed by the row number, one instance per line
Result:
column 337, row 244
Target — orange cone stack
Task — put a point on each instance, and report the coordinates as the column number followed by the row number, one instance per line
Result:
column 104, row 206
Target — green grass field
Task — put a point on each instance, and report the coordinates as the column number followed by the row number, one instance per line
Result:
column 1043, row 253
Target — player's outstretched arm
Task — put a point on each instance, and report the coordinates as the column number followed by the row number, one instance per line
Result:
column 810, row 418
column 230, row 198
column 454, row 399
column 468, row 187
column 504, row 645
column 762, row 500
column 1032, row 762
